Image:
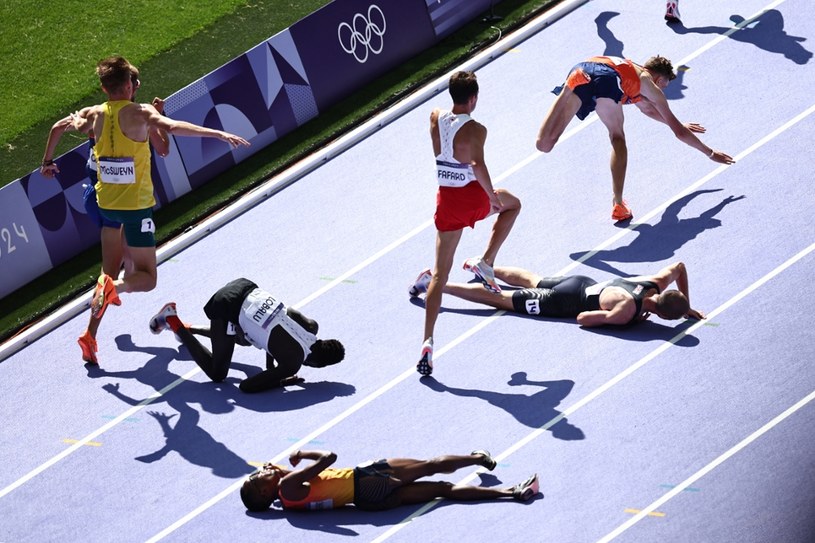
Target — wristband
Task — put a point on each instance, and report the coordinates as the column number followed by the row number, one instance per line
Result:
column 47, row 162
column 712, row 152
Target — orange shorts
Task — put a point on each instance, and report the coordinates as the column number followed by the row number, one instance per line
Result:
column 460, row 207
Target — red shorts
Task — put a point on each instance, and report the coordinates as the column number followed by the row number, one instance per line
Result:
column 460, row 207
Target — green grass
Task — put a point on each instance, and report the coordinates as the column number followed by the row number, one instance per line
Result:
column 49, row 49
column 188, row 60
column 49, row 59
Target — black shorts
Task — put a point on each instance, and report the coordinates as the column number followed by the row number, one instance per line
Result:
column 373, row 490
column 556, row 297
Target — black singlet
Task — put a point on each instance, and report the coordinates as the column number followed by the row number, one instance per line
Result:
column 636, row 289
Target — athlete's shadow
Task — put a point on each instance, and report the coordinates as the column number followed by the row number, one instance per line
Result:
column 658, row 242
column 335, row 521
column 290, row 398
column 614, row 48
column 189, row 440
column 650, row 331
column 475, row 312
column 186, row 437
column 534, row 410
column 765, row 32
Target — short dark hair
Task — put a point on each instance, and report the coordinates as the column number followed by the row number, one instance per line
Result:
column 463, row 86
column 252, row 498
column 661, row 66
column 114, row 73
column 325, row 352
column 672, row 304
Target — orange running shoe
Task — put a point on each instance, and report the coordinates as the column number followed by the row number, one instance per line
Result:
column 103, row 295
column 621, row 212
column 88, row 345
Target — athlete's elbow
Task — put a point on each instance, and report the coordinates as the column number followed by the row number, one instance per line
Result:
column 544, row 145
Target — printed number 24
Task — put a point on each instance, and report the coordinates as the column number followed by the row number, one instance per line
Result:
column 6, row 234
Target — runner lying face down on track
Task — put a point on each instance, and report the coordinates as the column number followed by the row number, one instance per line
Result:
column 617, row 301
column 371, row 486
column 242, row 313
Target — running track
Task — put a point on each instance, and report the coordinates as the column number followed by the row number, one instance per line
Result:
column 666, row 432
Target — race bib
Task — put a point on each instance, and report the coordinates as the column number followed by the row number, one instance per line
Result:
column 533, row 307
column 117, row 170
column 148, row 226
column 453, row 174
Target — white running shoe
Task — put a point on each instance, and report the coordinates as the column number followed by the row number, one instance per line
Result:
column 158, row 322
column 484, row 272
column 523, row 492
column 420, row 285
column 672, row 12
column 425, row 365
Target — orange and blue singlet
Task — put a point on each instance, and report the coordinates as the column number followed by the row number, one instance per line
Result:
column 332, row 488
column 604, row 77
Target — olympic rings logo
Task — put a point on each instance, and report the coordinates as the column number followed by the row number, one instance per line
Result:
column 364, row 35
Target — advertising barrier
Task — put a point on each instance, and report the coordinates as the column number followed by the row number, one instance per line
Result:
column 261, row 95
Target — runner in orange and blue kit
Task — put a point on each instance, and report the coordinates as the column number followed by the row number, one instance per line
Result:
column 604, row 84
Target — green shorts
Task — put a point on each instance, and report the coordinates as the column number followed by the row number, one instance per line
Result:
column 140, row 230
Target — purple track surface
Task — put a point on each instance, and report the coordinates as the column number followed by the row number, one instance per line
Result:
column 669, row 431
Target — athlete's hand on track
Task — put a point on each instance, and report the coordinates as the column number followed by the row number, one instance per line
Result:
column 721, row 158
column 693, row 314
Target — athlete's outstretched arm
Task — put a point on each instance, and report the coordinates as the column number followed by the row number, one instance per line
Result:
column 655, row 105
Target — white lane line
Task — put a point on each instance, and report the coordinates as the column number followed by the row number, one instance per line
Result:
column 710, row 467
column 266, row 190
column 482, row 324
column 299, row 170
column 369, row 261
column 614, row 381
column 90, row 437
column 760, row 143
column 232, row 488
